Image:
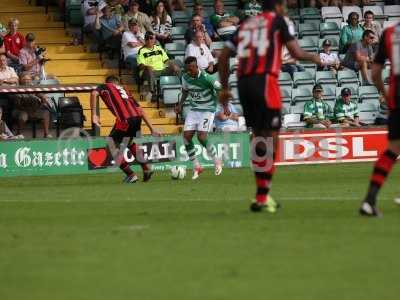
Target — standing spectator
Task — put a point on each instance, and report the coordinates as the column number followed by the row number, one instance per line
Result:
column 14, row 41
column 8, row 76
column 289, row 64
column 198, row 48
column 227, row 118
column 351, row 33
column 197, row 25
column 31, row 106
column 317, row 113
column 110, row 29
column 199, row 10
column 142, row 19
column 360, row 55
column 153, row 62
column 346, row 111
column 330, row 60
column 132, row 41
column 90, row 8
column 370, row 24
column 224, row 22
column 31, row 63
column 162, row 24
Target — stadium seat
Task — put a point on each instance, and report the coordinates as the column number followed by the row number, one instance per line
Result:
column 302, row 78
column 292, row 120
column 310, row 13
column 347, row 76
column 325, row 77
column 331, row 28
column 377, row 10
column 329, row 93
column 368, row 92
column 391, row 11
column 386, row 75
column 180, row 17
column 175, row 48
column 297, row 107
column 301, row 94
column 308, row 66
column 368, row 117
column 331, row 14
column 369, row 105
column 308, row 44
column 233, row 64
column 285, row 79
column 286, row 93
column 178, row 32
column 217, row 45
column 170, row 87
column 308, row 29
column 232, row 80
column 347, row 10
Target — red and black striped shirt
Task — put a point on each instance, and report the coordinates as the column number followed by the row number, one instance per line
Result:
column 389, row 48
column 119, row 101
column 258, row 43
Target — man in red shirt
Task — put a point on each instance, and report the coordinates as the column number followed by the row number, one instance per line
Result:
column 128, row 121
column 14, row 42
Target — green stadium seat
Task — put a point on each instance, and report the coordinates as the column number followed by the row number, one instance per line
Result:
column 310, row 13
column 301, row 94
column 175, row 48
column 325, row 77
column 386, row 75
column 297, row 107
column 286, row 93
column 308, row 29
column 308, row 44
column 304, row 78
column 178, row 32
column 170, row 87
column 293, row 120
column 180, row 17
column 329, row 28
column 368, row 92
column 347, row 76
column 369, row 105
column 285, row 79
column 368, row 117
column 329, row 93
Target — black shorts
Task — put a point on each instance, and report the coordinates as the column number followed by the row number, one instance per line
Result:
column 129, row 130
column 394, row 125
column 261, row 101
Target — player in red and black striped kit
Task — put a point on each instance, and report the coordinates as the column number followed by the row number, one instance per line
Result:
column 258, row 45
column 389, row 48
column 128, row 121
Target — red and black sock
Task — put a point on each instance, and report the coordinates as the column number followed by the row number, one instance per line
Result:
column 382, row 168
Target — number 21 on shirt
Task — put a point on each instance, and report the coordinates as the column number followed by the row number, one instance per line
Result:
column 253, row 37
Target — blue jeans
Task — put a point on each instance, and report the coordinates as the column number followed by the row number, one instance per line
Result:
column 290, row 68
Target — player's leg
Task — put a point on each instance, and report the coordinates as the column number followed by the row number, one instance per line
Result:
column 205, row 126
column 383, row 166
column 191, row 151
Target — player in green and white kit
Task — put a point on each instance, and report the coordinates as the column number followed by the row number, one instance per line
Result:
column 201, row 91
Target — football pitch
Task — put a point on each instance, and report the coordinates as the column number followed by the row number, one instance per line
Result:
column 92, row 237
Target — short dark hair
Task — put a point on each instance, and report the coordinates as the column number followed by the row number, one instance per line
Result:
column 270, row 4
column 367, row 32
column 368, row 12
column 113, row 79
column 30, row 37
column 190, row 59
column 148, row 34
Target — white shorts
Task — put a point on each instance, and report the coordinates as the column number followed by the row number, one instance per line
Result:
column 199, row 121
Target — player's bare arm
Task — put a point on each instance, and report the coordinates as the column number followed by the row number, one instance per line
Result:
column 93, row 108
column 298, row 53
column 178, row 107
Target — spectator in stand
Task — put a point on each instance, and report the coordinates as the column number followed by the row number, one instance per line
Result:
column 143, row 20
column 8, row 76
column 3, row 30
column 29, row 60
column 14, row 41
column 31, row 107
column 162, row 24
column 111, row 29
column 146, row 6
column 199, row 10
column 317, row 113
column 330, row 60
column 346, row 110
column 5, row 132
column 359, row 56
column 116, row 8
column 153, row 62
column 351, row 33
column 90, row 8
column 197, row 25
column 370, row 24
column 227, row 119
column 289, row 64
column 224, row 22
column 132, row 41
column 198, row 48
column 252, row 8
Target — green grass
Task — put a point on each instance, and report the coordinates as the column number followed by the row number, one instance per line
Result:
column 90, row 237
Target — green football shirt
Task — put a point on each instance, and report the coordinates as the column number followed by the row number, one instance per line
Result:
column 317, row 109
column 202, row 91
column 345, row 111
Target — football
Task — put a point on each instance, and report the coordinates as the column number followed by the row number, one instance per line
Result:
column 178, row 172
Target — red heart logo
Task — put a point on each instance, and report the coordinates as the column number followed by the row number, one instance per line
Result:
column 97, row 157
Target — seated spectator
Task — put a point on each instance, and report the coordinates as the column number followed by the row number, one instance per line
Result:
column 132, row 41
column 197, row 25
column 346, row 111
column 31, row 107
column 162, row 24
column 351, row 33
column 227, row 119
column 5, row 132
column 252, row 8
column 146, row 6
column 199, row 10
column 198, row 48
column 14, row 41
column 289, row 64
column 116, row 8
column 29, row 59
column 90, row 9
column 2, row 47
column 317, row 113
column 370, row 24
column 383, row 114
column 330, row 60
column 360, row 56
column 8, row 76
column 142, row 19
column 153, row 62
column 225, row 23
column 111, row 29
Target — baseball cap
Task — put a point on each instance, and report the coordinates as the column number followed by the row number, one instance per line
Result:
column 317, row 87
column 346, row 92
column 327, row 43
